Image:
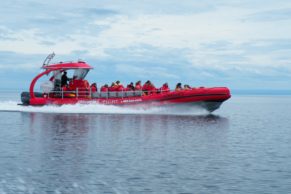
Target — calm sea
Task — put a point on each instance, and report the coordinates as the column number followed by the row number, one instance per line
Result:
column 244, row 147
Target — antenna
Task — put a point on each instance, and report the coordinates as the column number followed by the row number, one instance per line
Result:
column 48, row 59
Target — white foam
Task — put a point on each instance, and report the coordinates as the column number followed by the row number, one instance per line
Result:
column 12, row 106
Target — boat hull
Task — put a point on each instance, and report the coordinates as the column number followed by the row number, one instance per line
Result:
column 206, row 98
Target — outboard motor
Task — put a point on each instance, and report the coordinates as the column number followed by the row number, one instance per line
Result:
column 25, row 97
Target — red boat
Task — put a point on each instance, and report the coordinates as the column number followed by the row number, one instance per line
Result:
column 79, row 91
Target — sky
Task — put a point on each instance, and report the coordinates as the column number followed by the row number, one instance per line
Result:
column 241, row 44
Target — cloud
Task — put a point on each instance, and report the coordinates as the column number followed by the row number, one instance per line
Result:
column 219, row 42
column 99, row 12
column 145, row 72
column 271, row 15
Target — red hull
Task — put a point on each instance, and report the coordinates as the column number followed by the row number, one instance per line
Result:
column 208, row 98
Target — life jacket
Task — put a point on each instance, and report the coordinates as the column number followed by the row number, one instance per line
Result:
column 129, row 87
column 165, row 88
column 145, row 87
column 82, row 85
column 119, row 87
column 138, row 87
column 104, row 89
column 93, row 89
column 152, row 88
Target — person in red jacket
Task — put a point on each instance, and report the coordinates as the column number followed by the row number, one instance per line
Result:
column 112, row 88
column 165, row 88
column 104, row 88
column 152, row 88
column 119, row 86
column 93, row 87
column 149, row 88
column 138, row 86
column 145, row 87
column 130, row 87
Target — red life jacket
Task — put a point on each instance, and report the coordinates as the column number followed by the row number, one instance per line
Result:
column 138, row 87
column 104, row 89
column 93, row 89
column 165, row 88
column 119, row 87
column 145, row 87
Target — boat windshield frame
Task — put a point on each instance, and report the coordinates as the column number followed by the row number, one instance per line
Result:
column 80, row 74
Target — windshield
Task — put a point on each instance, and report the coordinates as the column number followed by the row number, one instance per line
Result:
column 80, row 73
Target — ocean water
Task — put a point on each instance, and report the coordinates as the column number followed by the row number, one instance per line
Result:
column 244, row 147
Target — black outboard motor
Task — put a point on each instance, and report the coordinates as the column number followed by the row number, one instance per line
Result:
column 25, row 97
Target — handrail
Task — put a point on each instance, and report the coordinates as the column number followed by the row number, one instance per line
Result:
column 84, row 92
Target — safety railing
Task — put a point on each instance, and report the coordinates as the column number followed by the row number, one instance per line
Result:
column 85, row 93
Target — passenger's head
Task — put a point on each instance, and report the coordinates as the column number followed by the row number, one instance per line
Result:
column 106, row 85
column 117, row 82
column 138, row 82
column 166, row 84
column 65, row 73
column 179, row 85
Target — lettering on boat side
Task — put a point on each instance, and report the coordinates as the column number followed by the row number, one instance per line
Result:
column 132, row 100
column 110, row 101
column 120, row 101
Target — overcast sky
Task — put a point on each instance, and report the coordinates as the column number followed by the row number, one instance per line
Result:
column 242, row 44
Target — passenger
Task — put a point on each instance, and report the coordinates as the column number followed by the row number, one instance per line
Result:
column 138, row 86
column 165, row 88
column 149, row 88
column 145, row 87
column 64, row 79
column 152, row 88
column 104, row 88
column 179, row 87
column 119, row 86
column 94, row 88
column 112, row 88
column 130, row 87
column 187, row 87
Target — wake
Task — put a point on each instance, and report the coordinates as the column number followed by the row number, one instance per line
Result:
column 94, row 108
